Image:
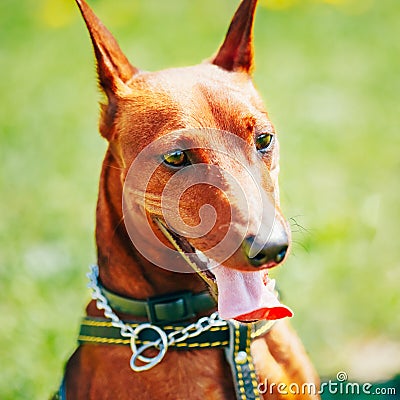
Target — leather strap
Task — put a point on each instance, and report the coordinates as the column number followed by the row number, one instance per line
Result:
column 100, row 331
column 239, row 358
column 162, row 310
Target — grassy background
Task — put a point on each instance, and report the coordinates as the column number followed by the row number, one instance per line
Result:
column 329, row 73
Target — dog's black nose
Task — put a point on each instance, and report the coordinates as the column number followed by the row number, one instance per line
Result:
column 271, row 254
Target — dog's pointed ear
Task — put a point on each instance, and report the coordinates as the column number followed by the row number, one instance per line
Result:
column 236, row 53
column 113, row 67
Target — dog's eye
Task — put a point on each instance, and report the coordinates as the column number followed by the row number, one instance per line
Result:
column 263, row 141
column 176, row 158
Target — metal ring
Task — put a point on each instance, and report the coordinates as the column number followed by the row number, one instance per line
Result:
column 160, row 344
column 148, row 365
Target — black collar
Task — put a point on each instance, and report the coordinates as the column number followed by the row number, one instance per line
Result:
column 161, row 310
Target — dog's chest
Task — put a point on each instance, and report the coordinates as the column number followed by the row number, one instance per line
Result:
column 196, row 374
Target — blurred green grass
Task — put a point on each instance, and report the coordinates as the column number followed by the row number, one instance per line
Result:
column 330, row 77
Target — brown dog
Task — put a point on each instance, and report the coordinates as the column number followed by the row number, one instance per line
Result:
column 207, row 117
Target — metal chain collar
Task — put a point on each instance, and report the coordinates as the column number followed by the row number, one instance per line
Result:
column 161, row 344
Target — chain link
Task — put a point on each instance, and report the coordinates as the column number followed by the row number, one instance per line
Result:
column 102, row 303
column 190, row 331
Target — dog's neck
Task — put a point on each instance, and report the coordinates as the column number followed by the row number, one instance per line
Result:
column 122, row 268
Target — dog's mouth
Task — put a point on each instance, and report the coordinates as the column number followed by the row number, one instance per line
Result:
column 243, row 296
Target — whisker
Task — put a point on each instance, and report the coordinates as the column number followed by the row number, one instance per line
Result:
column 300, row 244
column 301, row 228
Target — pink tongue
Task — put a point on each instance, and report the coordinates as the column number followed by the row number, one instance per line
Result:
column 245, row 297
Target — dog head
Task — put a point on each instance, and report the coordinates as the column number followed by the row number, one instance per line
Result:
column 199, row 160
